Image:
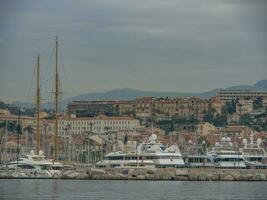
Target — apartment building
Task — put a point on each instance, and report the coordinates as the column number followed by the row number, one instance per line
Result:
column 99, row 124
column 147, row 108
column 228, row 95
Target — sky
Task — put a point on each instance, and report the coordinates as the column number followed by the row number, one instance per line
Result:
column 155, row 45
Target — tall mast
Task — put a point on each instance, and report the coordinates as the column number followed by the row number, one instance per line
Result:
column 18, row 138
column 56, row 102
column 38, row 106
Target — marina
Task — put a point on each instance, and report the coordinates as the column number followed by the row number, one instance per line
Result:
column 133, row 100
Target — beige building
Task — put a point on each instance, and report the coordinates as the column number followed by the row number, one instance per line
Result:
column 244, row 107
column 164, row 109
column 4, row 112
column 235, row 131
column 216, row 104
column 148, row 107
column 126, row 107
column 205, row 128
column 143, row 107
column 99, row 124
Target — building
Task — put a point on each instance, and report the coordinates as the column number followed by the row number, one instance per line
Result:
column 4, row 112
column 235, row 131
column 205, row 129
column 216, row 105
column 228, row 95
column 143, row 107
column 244, row 107
column 92, row 108
column 100, row 124
column 146, row 108
column 164, row 109
column 125, row 107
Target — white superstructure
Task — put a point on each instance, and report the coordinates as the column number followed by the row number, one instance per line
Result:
column 255, row 156
column 225, row 156
column 150, row 153
column 33, row 165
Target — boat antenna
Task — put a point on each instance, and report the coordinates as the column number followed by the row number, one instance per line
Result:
column 56, row 103
column 38, row 97
column 251, row 138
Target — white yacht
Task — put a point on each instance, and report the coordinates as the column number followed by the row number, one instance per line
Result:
column 224, row 155
column 33, row 165
column 255, row 156
column 149, row 154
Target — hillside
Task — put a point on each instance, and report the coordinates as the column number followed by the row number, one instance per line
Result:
column 128, row 94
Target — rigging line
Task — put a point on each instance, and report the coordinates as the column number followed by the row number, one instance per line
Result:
column 31, row 83
column 64, row 70
column 48, row 64
column 48, row 48
column 47, row 80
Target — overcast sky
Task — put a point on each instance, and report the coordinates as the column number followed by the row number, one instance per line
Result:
column 159, row 45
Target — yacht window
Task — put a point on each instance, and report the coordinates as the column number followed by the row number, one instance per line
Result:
column 26, row 167
column 45, row 167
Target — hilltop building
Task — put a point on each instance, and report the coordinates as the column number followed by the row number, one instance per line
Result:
column 228, row 95
column 244, row 107
column 147, row 108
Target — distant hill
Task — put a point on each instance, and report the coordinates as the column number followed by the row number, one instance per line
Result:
column 261, row 84
column 128, row 94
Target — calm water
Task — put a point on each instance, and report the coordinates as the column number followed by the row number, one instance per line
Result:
column 116, row 190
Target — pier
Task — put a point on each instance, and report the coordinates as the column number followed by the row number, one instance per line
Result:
column 158, row 174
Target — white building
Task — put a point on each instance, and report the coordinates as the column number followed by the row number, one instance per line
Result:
column 100, row 124
column 228, row 95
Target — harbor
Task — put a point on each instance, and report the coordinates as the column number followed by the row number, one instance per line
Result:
column 146, row 138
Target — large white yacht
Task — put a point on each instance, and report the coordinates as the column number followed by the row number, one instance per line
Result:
column 255, row 155
column 33, row 165
column 225, row 156
column 150, row 153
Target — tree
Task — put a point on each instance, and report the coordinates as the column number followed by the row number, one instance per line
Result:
column 231, row 106
column 257, row 103
column 246, row 120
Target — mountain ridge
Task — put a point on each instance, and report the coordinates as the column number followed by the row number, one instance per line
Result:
column 129, row 94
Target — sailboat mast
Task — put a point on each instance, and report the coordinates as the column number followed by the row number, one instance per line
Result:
column 38, row 106
column 18, row 138
column 56, row 103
